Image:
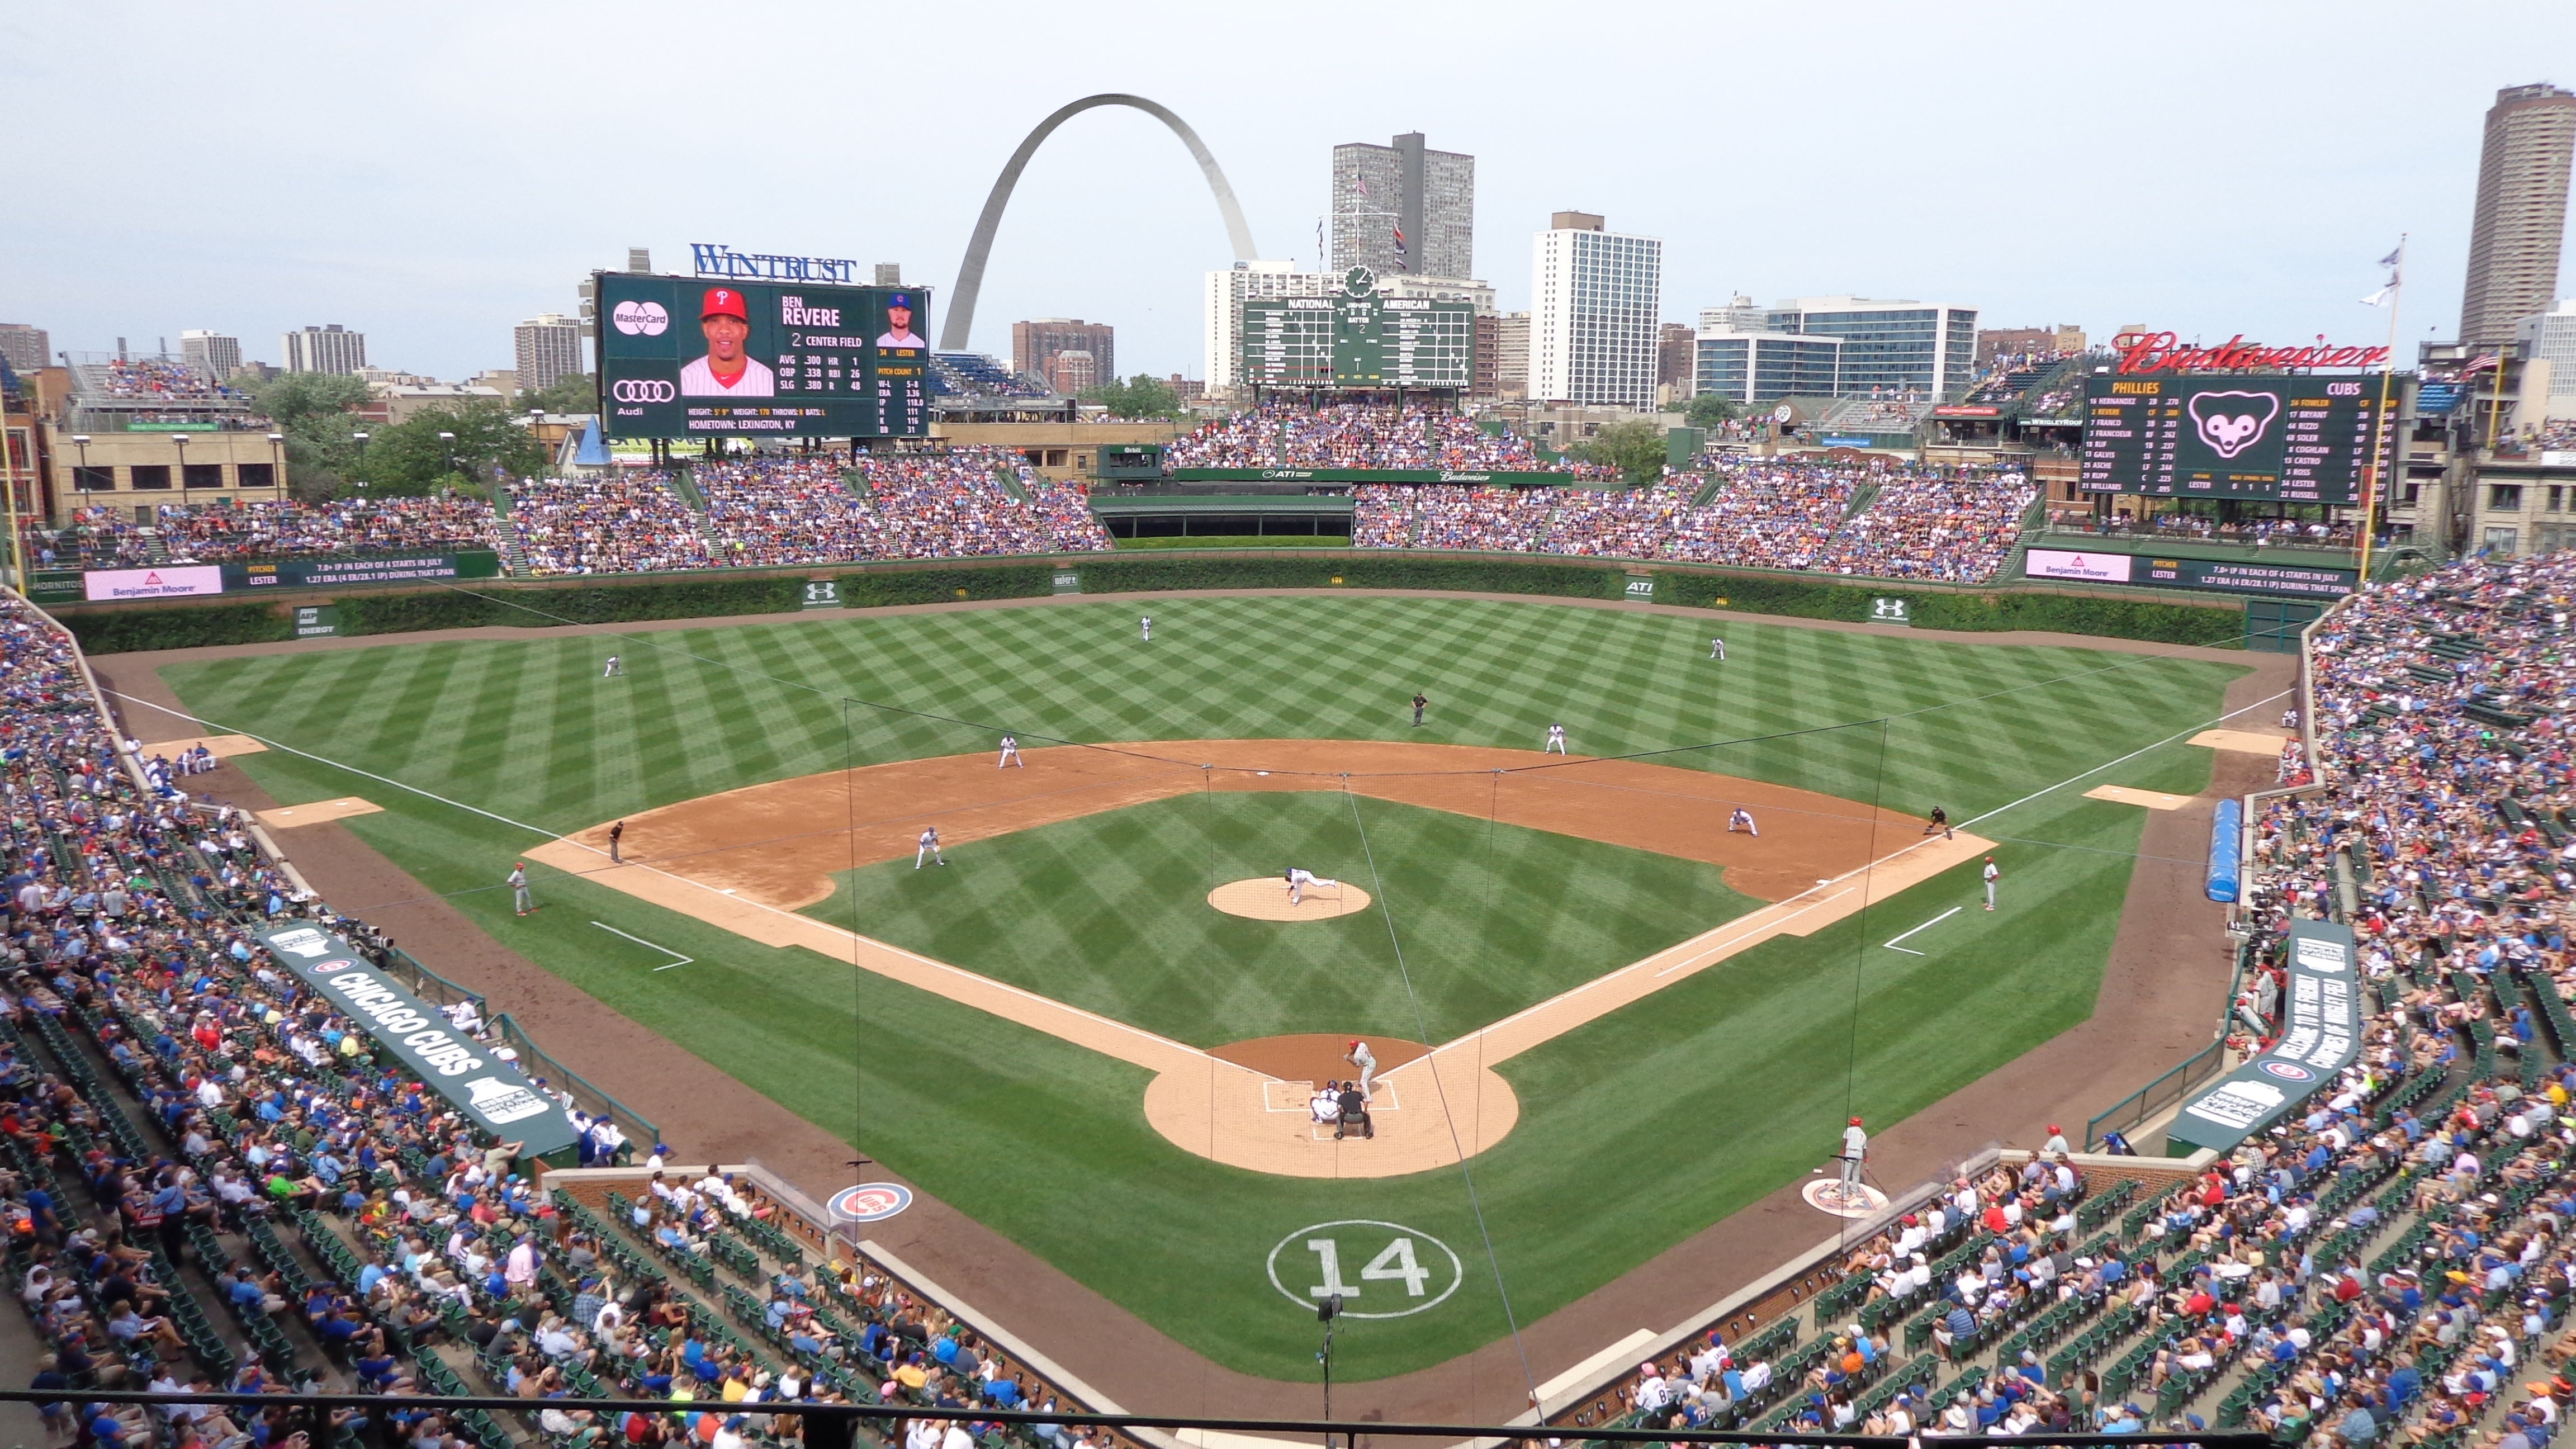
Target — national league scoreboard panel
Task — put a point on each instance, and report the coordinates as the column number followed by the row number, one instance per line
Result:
column 696, row 357
column 2288, row 439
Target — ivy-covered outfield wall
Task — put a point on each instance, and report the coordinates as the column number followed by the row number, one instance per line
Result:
column 115, row 628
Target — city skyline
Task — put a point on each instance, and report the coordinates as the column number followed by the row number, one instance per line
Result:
column 2199, row 219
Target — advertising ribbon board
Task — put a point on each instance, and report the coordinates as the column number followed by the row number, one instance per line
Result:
column 488, row 1091
column 1366, row 475
column 388, row 568
column 2320, row 1036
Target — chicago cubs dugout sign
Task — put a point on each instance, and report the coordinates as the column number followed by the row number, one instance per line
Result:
column 488, row 1091
column 2320, row 1036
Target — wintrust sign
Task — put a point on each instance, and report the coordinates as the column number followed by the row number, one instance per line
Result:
column 2163, row 352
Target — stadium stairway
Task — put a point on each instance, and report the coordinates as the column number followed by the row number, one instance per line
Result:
column 512, row 548
column 156, row 545
column 686, row 486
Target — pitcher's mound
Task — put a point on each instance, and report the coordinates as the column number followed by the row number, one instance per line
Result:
column 1265, row 898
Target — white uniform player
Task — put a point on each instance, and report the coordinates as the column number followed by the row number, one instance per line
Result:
column 1555, row 740
column 928, row 846
column 1145, row 626
column 1742, row 820
column 1361, row 1057
column 614, row 668
column 1298, row 880
column 1011, row 754
column 1717, row 649
column 1855, row 1151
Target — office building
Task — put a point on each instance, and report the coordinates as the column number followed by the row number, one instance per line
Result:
column 1511, row 355
column 1888, row 347
column 211, row 353
column 27, row 348
column 1404, row 208
column 1674, row 360
column 1737, row 355
column 1596, row 298
column 323, row 349
column 548, row 347
column 2550, row 339
column 1227, row 291
column 1035, row 345
column 1073, row 372
column 2521, row 215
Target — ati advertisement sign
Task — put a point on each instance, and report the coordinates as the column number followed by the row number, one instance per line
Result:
column 481, row 1086
column 2320, row 1036
column 694, row 359
column 168, row 582
column 2294, row 580
column 1364, row 475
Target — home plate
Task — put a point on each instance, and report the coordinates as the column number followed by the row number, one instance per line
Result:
column 1826, row 1195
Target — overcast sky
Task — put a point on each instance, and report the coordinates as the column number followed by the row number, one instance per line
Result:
column 431, row 175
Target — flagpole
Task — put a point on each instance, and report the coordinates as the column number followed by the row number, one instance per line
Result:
column 2379, row 425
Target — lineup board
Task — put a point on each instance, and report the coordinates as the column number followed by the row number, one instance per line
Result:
column 685, row 357
column 1359, row 338
column 2274, row 438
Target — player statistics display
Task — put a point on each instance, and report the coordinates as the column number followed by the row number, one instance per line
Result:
column 685, row 357
column 2290, row 439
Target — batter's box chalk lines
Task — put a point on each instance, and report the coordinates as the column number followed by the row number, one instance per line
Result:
column 1299, row 1093
column 640, row 941
column 1927, row 925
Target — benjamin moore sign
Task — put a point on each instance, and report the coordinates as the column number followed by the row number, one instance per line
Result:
column 2320, row 1036
column 1363, row 475
column 489, row 1091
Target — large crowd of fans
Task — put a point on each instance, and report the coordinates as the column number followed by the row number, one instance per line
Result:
column 618, row 523
column 1284, row 434
column 154, row 379
column 284, row 528
column 1881, row 521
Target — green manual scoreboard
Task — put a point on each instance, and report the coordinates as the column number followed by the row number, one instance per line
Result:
column 1359, row 337
column 684, row 357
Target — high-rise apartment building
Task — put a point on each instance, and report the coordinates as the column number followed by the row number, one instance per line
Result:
column 548, row 347
column 1675, row 357
column 1404, row 208
column 27, row 348
column 2550, row 337
column 1036, row 344
column 2522, row 212
column 211, row 353
column 1226, row 293
column 1895, row 347
column 323, row 349
column 1596, row 298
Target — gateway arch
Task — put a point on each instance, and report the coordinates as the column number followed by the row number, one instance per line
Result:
column 970, row 277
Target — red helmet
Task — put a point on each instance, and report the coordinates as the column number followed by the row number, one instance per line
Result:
column 1855, row 1121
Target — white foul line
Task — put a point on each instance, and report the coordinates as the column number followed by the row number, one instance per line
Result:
column 640, row 941
column 1927, row 925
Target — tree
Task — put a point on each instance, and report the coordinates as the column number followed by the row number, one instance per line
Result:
column 294, row 397
column 1708, row 409
column 574, row 392
column 1636, row 449
column 313, row 410
column 1141, row 396
column 410, row 458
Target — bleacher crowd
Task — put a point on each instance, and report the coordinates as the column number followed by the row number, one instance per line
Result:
column 1285, row 434
column 153, row 379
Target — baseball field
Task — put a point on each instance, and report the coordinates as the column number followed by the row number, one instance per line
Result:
column 1603, row 1019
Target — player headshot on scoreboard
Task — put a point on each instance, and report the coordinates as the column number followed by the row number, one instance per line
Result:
column 728, row 369
column 899, row 331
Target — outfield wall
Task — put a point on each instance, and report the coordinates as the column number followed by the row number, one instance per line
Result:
column 622, row 599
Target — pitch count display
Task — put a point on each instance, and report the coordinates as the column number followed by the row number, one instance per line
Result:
column 694, row 358
column 2288, row 439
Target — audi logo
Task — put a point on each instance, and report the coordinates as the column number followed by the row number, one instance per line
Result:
column 643, row 389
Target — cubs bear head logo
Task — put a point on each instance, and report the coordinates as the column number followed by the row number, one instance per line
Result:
column 2231, row 422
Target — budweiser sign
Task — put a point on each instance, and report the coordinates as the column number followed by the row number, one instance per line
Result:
column 2162, row 352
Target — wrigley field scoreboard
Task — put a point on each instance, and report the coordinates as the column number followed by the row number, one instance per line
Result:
column 683, row 357
column 1359, row 338
column 2287, row 439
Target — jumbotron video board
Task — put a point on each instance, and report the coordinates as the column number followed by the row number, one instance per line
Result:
column 1359, row 338
column 2273, row 438
column 684, row 357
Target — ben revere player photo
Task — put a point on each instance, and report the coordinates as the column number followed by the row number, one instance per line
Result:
column 727, row 370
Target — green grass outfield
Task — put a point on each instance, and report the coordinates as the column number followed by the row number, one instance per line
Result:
column 1637, row 1129
column 1109, row 912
